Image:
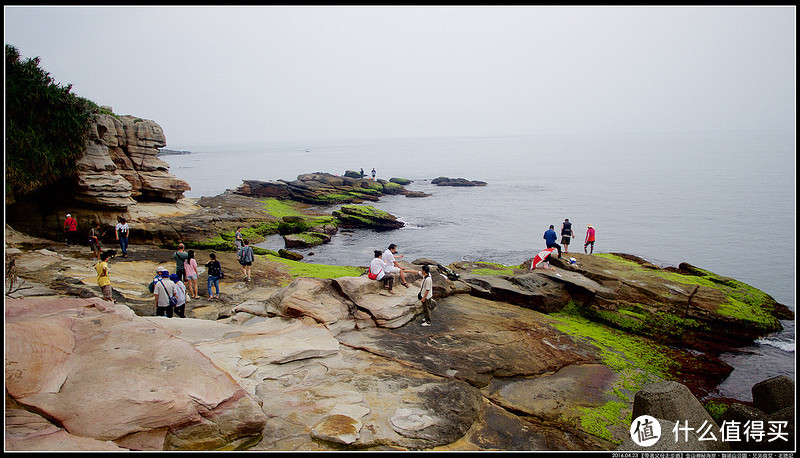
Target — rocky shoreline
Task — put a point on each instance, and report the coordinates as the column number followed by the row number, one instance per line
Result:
column 325, row 361
column 310, row 357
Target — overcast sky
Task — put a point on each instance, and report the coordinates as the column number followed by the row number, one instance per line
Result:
column 248, row 74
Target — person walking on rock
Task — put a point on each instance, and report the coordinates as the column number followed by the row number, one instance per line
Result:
column 180, row 295
column 163, row 290
column 71, row 230
column 180, row 257
column 550, row 239
column 426, row 294
column 103, row 279
column 190, row 269
column 214, row 274
column 121, row 233
column 238, row 239
column 94, row 240
column 590, row 235
column 246, row 258
column 566, row 234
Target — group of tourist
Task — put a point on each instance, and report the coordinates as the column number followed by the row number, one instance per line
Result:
column 384, row 267
column 171, row 291
column 550, row 237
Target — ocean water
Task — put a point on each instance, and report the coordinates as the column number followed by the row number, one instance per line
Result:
column 722, row 201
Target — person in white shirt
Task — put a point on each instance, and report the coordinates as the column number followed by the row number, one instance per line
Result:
column 390, row 259
column 378, row 270
column 426, row 295
column 180, row 294
column 163, row 289
column 121, row 233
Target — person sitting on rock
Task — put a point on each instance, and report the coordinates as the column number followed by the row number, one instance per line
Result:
column 389, row 258
column 378, row 271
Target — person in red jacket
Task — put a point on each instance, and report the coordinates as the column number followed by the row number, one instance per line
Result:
column 589, row 238
column 70, row 230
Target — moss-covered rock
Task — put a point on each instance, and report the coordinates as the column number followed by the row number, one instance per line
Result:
column 365, row 216
column 400, row 181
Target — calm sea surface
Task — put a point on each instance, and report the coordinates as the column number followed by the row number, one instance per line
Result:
column 723, row 201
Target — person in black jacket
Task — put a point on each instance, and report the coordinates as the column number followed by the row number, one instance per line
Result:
column 566, row 234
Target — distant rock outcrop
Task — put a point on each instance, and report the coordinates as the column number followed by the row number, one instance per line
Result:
column 446, row 181
column 322, row 189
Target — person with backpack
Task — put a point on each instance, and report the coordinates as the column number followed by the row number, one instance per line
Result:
column 180, row 296
column 164, row 292
column 214, row 275
column 246, row 258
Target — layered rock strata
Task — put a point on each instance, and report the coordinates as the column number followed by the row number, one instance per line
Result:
column 121, row 166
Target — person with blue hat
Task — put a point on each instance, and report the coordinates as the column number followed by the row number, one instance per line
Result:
column 180, row 295
column 164, row 290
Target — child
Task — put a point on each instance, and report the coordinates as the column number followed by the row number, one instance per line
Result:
column 103, row 280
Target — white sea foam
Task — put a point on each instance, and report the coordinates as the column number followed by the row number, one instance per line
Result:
column 781, row 344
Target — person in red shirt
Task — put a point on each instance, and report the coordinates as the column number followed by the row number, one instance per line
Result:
column 589, row 238
column 70, row 229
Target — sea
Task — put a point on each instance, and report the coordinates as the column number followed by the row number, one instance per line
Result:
column 724, row 201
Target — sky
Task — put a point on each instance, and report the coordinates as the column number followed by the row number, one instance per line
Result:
column 270, row 74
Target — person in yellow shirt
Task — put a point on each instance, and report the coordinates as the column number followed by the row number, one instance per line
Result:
column 103, row 280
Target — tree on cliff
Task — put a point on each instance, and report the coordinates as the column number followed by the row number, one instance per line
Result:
column 46, row 128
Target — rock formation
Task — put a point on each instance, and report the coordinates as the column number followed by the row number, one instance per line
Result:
column 446, row 181
column 323, row 189
column 125, row 148
column 326, row 363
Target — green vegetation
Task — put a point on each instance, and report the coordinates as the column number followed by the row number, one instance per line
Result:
column 636, row 361
column 715, row 409
column 47, row 128
column 745, row 303
column 490, row 268
column 302, row 269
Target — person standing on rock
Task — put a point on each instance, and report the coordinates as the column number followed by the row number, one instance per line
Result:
column 190, row 269
column 566, row 234
column 589, row 238
column 373, row 173
column 426, row 294
column 103, row 279
column 180, row 257
column 392, row 266
column 180, row 295
column 214, row 274
column 163, row 289
column 550, row 238
column 71, row 230
column 238, row 240
column 121, row 233
column 94, row 240
column 246, row 258
column 378, row 271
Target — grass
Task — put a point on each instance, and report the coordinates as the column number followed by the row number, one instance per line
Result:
column 304, row 269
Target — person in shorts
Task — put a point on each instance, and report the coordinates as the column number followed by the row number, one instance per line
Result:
column 246, row 258
column 426, row 294
column 94, row 240
column 103, row 279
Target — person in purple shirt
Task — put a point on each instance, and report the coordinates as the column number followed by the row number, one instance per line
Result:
column 550, row 238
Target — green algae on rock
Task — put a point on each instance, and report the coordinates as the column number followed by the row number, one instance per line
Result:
column 366, row 216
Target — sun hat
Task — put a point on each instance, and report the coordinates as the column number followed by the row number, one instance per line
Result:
column 588, row 225
column 69, row 216
column 161, row 269
column 173, row 277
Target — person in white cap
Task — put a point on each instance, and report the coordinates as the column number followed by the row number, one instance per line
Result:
column 70, row 230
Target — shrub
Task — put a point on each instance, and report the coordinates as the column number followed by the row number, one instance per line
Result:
column 47, row 127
